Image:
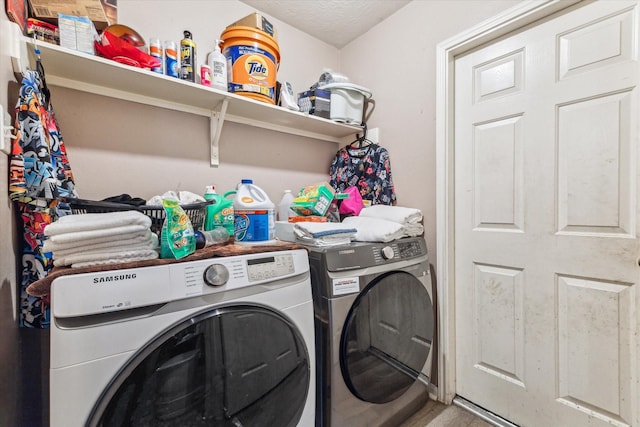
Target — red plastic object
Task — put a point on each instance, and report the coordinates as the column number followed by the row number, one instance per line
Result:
column 118, row 49
column 126, row 33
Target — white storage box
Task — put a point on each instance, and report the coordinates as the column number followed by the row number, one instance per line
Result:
column 347, row 102
column 284, row 231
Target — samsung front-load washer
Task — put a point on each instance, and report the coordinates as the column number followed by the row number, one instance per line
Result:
column 218, row 342
column 374, row 332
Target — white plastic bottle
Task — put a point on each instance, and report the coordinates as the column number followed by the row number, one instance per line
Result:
column 254, row 216
column 218, row 64
column 284, row 207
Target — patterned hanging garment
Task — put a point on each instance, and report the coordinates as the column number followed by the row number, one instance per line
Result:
column 40, row 176
column 368, row 168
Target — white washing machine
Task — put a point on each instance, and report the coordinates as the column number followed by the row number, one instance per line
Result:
column 223, row 341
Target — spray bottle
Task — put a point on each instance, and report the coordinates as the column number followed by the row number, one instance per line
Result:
column 187, row 57
column 218, row 64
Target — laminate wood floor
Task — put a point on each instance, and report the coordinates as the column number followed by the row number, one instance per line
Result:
column 436, row 414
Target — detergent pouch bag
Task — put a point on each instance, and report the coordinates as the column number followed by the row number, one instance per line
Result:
column 178, row 239
column 353, row 204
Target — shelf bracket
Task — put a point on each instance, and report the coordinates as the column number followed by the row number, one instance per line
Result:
column 216, row 120
column 13, row 43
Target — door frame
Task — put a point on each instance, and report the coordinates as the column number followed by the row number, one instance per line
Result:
column 516, row 17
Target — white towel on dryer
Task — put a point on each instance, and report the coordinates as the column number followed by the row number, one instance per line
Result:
column 375, row 229
column 410, row 218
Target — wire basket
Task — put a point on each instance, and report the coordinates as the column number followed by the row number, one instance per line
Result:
column 195, row 211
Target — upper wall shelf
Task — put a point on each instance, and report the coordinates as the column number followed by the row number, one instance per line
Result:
column 88, row 73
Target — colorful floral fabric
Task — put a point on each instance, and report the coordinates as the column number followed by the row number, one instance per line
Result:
column 40, row 176
column 367, row 168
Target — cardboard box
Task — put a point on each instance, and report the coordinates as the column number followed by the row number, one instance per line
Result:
column 17, row 12
column 77, row 33
column 255, row 20
column 48, row 10
column 316, row 102
column 313, row 199
column 43, row 31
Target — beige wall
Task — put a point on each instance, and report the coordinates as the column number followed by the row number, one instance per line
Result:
column 11, row 352
column 396, row 59
column 121, row 147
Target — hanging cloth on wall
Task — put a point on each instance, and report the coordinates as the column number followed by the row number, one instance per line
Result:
column 367, row 167
column 40, row 176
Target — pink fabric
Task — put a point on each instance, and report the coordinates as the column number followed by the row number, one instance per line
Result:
column 353, row 205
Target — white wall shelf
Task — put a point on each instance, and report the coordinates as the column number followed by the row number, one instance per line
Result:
column 93, row 74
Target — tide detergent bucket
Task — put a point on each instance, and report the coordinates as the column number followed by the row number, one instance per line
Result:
column 253, row 57
column 253, row 215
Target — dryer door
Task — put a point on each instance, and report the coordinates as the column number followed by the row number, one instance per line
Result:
column 240, row 365
column 387, row 337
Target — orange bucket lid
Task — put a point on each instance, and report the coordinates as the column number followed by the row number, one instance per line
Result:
column 236, row 35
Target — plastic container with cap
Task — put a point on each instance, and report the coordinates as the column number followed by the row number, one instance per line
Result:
column 253, row 57
column 348, row 102
column 284, row 207
column 218, row 64
column 253, row 214
column 207, row 238
column 219, row 213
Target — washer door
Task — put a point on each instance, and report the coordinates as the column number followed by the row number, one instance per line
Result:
column 235, row 366
column 387, row 337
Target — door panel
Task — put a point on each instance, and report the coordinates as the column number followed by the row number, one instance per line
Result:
column 546, row 194
column 239, row 365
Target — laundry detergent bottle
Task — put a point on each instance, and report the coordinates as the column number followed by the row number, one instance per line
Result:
column 253, row 214
column 220, row 213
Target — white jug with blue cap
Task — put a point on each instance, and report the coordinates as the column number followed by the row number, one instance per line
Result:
column 253, row 215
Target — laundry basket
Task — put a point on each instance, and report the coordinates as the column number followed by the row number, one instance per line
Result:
column 195, row 211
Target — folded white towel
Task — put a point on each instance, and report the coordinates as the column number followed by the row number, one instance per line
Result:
column 321, row 229
column 106, row 256
column 100, row 242
column 67, row 257
column 323, row 233
column 96, row 221
column 333, row 240
column 397, row 214
column 375, row 229
column 413, row 230
column 124, row 257
column 82, row 237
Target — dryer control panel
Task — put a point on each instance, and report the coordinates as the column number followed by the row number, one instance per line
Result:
column 361, row 255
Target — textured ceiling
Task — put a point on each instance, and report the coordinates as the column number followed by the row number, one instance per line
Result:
column 336, row 22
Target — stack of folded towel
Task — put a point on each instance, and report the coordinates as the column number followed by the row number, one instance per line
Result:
column 101, row 238
column 383, row 223
column 323, row 233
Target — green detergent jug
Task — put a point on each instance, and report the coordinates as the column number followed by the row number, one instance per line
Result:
column 220, row 213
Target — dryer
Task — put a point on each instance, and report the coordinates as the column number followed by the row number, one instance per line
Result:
column 374, row 321
column 223, row 341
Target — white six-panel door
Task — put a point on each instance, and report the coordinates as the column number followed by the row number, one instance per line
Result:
column 546, row 220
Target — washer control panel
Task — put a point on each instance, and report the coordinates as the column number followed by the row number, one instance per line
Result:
column 123, row 289
column 270, row 267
